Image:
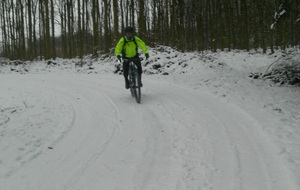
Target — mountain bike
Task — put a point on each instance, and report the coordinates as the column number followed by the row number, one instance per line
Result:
column 134, row 81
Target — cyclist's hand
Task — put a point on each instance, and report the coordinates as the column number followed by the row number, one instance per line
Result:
column 147, row 56
column 119, row 58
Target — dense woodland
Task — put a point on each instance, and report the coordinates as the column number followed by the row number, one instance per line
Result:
column 73, row 28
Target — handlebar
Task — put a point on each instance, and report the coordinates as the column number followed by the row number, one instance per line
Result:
column 130, row 59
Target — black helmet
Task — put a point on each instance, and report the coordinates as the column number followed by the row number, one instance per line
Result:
column 129, row 29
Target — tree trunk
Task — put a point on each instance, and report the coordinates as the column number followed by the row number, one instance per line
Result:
column 53, row 45
column 166, row 23
column 79, row 31
column 47, row 31
column 95, row 25
column 107, row 40
column 116, row 20
column 30, row 29
column 142, row 19
column 244, row 26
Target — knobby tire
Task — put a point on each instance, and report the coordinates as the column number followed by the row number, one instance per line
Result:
column 138, row 88
column 135, row 85
column 135, row 88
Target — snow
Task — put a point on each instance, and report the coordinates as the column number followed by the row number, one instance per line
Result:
column 202, row 124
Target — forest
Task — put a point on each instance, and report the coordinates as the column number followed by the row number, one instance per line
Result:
column 48, row 29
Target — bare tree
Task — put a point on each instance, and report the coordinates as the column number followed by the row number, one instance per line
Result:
column 106, row 27
column 116, row 20
column 142, row 19
column 28, row 27
column 95, row 11
column 53, row 44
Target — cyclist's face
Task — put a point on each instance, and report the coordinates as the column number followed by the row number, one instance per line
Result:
column 129, row 35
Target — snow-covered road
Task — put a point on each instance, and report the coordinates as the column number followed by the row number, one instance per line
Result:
column 85, row 132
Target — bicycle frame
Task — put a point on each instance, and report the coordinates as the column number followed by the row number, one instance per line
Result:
column 134, row 81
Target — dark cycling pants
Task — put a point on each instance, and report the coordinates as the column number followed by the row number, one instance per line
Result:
column 137, row 62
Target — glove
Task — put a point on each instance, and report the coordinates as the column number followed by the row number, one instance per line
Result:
column 119, row 58
column 147, row 56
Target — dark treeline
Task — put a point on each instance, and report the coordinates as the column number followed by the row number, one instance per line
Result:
column 70, row 28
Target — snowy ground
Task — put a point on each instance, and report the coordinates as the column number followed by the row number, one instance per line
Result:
column 203, row 124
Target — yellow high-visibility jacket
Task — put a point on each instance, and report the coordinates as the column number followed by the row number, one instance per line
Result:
column 131, row 47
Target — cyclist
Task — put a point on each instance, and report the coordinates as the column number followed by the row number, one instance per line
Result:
column 128, row 48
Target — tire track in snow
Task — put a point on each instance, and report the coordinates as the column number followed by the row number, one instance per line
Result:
column 110, row 146
column 236, row 151
column 32, row 125
column 175, row 139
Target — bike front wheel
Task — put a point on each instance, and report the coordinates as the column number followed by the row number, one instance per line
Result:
column 138, row 89
column 135, row 87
